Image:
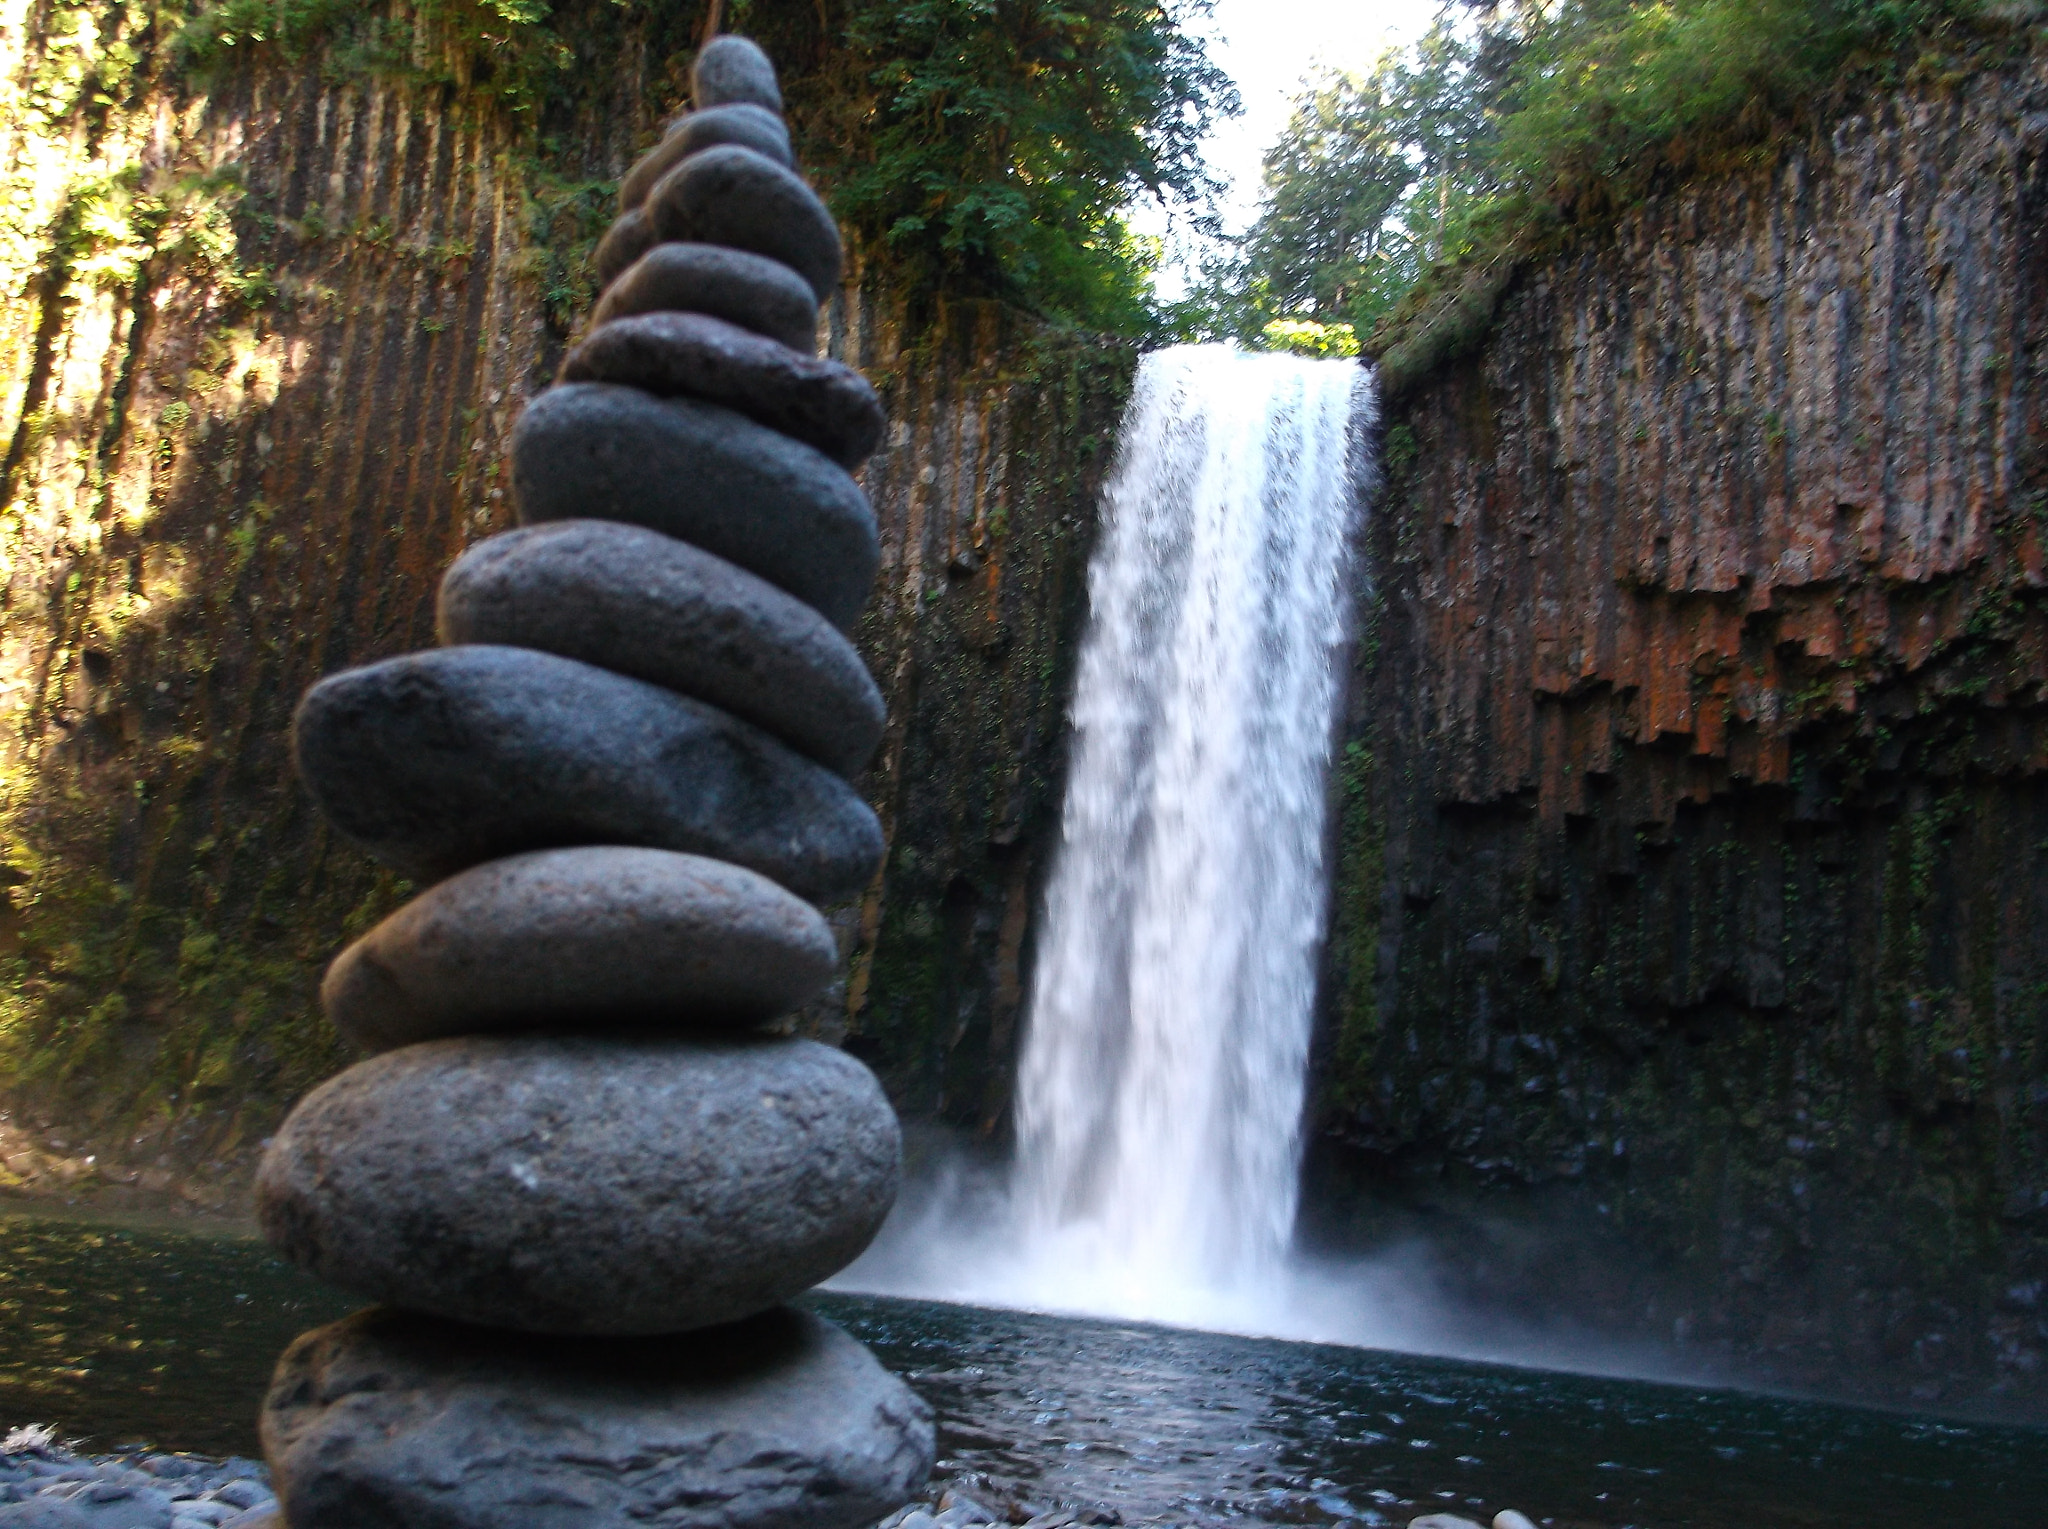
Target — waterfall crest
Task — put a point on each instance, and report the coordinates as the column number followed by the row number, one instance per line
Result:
column 1160, row 1090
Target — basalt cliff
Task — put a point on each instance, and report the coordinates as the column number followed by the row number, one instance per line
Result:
column 1689, row 964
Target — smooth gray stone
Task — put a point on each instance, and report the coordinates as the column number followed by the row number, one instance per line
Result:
column 751, row 291
column 821, row 402
column 733, row 196
column 635, row 601
column 584, row 1185
column 703, row 474
column 244, row 1492
column 95, row 1504
column 392, row 1421
column 565, row 937
column 436, row 761
column 729, row 69
column 749, row 126
column 41, row 1512
column 630, row 236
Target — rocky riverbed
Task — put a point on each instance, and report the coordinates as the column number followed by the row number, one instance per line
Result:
column 44, row 1485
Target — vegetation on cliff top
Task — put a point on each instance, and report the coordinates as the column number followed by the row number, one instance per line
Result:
column 973, row 149
column 1399, row 201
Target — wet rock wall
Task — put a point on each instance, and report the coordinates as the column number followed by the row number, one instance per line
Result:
column 1688, row 974
column 988, row 491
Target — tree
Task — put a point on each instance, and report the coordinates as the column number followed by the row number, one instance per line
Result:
column 1360, row 194
column 992, row 144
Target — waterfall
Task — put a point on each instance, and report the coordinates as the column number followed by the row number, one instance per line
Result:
column 1161, row 1085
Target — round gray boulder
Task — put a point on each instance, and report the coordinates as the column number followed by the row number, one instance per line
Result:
column 729, row 69
column 630, row 236
column 437, row 761
column 640, row 603
column 568, row 937
column 734, row 196
column 821, row 402
column 584, row 1185
column 749, row 126
column 393, row 1421
column 704, row 474
column 751, row 291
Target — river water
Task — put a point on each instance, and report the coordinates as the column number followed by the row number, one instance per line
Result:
column 122, row 1334
column 1161, row 1091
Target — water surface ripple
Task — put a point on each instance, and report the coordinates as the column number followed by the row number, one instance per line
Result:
column 133, row 1333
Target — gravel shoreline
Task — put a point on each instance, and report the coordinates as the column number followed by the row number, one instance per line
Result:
column 43, row 1485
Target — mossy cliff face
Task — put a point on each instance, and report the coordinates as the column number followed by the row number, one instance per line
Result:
column 1688, row 960
column 987, row 494
column 263, row 336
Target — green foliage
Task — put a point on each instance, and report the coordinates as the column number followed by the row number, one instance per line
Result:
column 1305, row 337
column 991, row 145
column 1402, row 200
column 496, row 48
column 972, row 147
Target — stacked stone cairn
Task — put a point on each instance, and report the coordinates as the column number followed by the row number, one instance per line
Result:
column 581, row 1170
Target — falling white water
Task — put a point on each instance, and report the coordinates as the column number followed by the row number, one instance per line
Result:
column 1160, row 1090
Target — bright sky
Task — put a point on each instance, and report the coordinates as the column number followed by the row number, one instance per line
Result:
column 1266, row 46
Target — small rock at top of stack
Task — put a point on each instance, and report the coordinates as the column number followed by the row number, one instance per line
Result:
column 626, row 779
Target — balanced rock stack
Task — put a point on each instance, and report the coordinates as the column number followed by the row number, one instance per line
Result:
column 578, row 1173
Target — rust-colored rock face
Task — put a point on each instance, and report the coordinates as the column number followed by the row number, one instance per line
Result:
column 1695, row 828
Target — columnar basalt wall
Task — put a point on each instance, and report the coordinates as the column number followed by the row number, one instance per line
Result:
column 987, row 496
column 263, row 336
column 1694, row 831
column 260, row 348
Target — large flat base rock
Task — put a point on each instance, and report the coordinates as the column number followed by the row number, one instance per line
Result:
column 392, row 1421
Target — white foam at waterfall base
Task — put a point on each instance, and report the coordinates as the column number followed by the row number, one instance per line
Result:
column 1161, row 1083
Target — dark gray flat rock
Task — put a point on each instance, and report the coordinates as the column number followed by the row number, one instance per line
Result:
column 729, row 69
column 392, row 1421
column 585, row 1185
column 629, row 237
column 821, row 402
column 635, row 601
column 437, row 761
column 751, row 291
column 749, row 126
column 733, row 196
column 706, row 475
column 566, row 939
